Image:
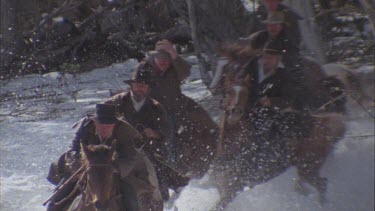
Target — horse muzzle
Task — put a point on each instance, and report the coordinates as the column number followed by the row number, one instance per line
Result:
column 234, row 115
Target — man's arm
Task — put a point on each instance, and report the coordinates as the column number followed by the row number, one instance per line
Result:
column 76, row 141
column 182, row 68
column 115, row 100
column 127, row 137
column 160, row 123
column 142, row 175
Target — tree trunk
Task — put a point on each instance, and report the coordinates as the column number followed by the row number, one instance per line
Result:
column 213, row 23
column 312, row 40
column 369, row 8
column 8, row 27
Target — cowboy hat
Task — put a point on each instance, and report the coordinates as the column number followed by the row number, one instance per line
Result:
column 105, row 114
column 141, row 74
column 275, row 18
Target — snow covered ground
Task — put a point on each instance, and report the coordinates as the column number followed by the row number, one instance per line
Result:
column 35, row 118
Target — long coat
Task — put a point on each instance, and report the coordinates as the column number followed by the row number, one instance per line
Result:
column 193, row 127
column 278, row 87
column 134, row 166
column 275, row 123
column 166, row 87
column 151, row 115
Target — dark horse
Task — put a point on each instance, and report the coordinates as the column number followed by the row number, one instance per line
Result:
column 247, row 157
column 196, row 135
column 100, row 182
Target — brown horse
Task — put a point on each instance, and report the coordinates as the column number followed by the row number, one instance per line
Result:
column 99, row 182
column 195, row 134
column 321, row 83
column 249, row 156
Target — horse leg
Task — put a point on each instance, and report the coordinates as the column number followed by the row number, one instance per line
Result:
column 300, row 187
column 222, row 204
column 227, row 195
column 229, row 185
column 308, row 171
column 148, row 202
column 129, row 196
column 77, row 204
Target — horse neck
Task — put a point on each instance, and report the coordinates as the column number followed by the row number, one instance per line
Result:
column 236, row 133
column 115, row 201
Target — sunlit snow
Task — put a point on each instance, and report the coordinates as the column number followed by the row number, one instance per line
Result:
column 35, row 128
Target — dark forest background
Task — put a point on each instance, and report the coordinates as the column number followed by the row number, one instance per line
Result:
column 40, row 36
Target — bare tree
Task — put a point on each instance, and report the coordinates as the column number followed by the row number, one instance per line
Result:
column 215, row 22
column 369, row 8
column 8, row 23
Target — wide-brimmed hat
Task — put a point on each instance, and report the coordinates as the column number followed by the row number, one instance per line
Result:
column 160, row 53
column 141, row 74
column 105, row 114
column 273, row 47
column 276, row 17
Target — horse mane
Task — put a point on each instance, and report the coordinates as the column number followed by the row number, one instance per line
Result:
column 239, row 51
column 100, row 151
column 234, row 56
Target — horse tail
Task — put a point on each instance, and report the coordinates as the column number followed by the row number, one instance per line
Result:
column 334, row 125
column 336, row 93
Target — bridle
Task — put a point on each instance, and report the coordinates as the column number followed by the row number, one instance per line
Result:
column 86, row 199
column 236, row 86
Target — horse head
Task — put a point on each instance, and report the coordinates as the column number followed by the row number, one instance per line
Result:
column 236, row 96
column 229, row 80
column 100, row 174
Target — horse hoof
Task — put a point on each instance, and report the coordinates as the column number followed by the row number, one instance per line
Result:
column 322, row 199
column 301, row 188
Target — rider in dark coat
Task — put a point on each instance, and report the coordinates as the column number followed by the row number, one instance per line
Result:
column 150, row 119
column 272, row 108
column 136, row 171
column 291, row 57
column 273, row 92
column 276, row 32
column 147, row 115
column 271, row 83
column 292, row 18
column 192, row 129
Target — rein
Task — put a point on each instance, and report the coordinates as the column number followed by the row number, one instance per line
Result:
column 85, row 197
column 97, row 165
column 222, row 126
column 220, row 147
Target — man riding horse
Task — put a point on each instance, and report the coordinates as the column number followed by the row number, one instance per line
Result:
column 276, row 32
column 274, row 107
column 262, row 131
column 150, row 118
column 270, row 79
column 292, row 30
column 192, row 138
column 136, row 171
column 313, row 86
